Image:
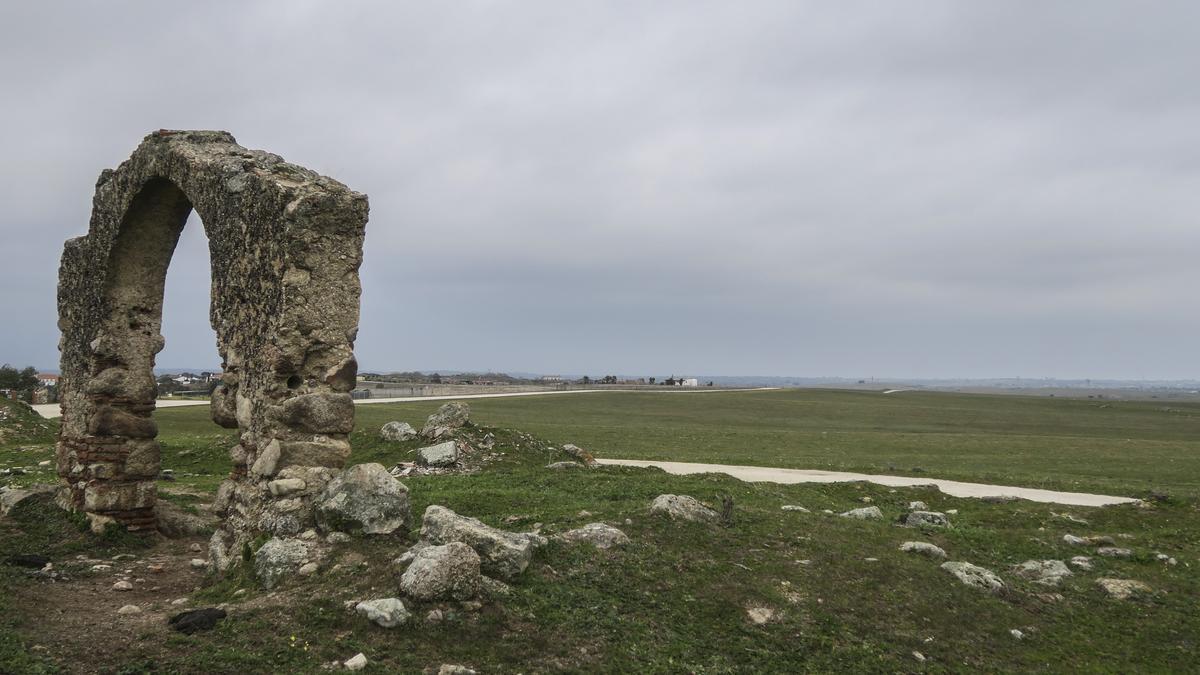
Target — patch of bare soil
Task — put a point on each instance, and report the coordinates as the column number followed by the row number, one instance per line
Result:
column 77, row 623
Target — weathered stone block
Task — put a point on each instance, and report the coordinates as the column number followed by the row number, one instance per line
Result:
column 322, row 413
column 110, row 421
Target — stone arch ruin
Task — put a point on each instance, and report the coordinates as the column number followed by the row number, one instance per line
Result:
column 285, row 247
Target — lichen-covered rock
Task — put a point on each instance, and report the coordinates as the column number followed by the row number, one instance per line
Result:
column 683, row 507
column 600, row 535
column 1045, row 572
column 279, row 558
column 924, row 548
column 446, row 572
column 397, row 431
column 503, row 554
column 579, row 454
column 926, row 519
column 364, row 498
column 1114, row 552
column 386, row 612
column 918, row 506
column 864, row 513
column 442, row 454
column 451, row 416
column 286, row 245
column 974, row 575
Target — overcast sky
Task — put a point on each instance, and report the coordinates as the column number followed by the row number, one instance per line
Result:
column 889, row 189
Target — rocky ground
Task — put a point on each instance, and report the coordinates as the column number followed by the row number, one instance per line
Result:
column 521, row 555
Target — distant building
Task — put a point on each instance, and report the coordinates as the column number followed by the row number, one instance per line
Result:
column 689, row 382
column 48, row 379
column 551, row 378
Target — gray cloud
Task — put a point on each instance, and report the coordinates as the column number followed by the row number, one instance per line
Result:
column 890, row 189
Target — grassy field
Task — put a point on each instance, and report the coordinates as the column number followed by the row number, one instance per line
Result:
column 845, row 599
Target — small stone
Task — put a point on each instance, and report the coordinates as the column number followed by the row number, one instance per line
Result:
column 760, row 615
column 337, row 538
column 794, row 507
column 919, row 656
column 1122, row 589
column 1082, row 562
column 356, row 662
column 397, row 432
column 864, row 513
column 308, row 569
column 923, row 548
column 447, row 572
column 385, row 612
column 178, row 601
column 600, row 535
column 917, row 506
column 101, row 568
column 952, row 512
column 196, row 548
column 866, row 500
column 440, row 455
column 198, row 563
column 926, row 519
column 1045, row 572
column 129, row 609
column 156, row 569
column 453, row 669
column 434, row 616
column 1114, row 552
column 1017, row 634
column 559, row 466
column 122, row 586
column 286, row 486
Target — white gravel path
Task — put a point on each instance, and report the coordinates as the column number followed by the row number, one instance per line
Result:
column 755, row 474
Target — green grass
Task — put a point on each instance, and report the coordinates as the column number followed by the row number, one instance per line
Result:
column 675, row 600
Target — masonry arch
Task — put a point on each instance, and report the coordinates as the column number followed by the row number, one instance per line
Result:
column 285, row 247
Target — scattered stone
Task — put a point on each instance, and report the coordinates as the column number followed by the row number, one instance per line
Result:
column 434, row 616
column 584, row 514
column 1069, row 518
column 34, row 561
column 683, row 507
column 998, row 499
column 397, row 432
column 1075, row 541
column 974, row 575
column 196, row 548
column 1114, row 552
column 600, row 535
column 1122, row 589
column 129, row 609
column 452, row 669
column 503, row 554
column 866, row 500
column 1082, row 562
column 580, row 454
column 1045, row 572
column 446, row 572
column 198, row 563
column 364, row 498
column 760, row 615
column 864, row 513
column 338, row 538
column 561, row 466
column 924, row 548
column 101, row 568
column 453, row 415
column 794, row 507
column 122, row 586
column 926, row 519
column 440, row 455
column 952, row 512
column 917, row 506
column 494, row 589
column 386, row 612
column 1017, row 634
column 356, row 662
column 196, row 620
column 308, row 569
column 919, row 656
column 277, row 558
column 155, row 569
column 1163, row 557
column 179, row 601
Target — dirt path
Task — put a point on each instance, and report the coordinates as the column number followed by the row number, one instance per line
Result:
column 755, row 474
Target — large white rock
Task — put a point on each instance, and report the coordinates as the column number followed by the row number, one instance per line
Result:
column 446, row 572
column 442, row 454
column 364, row 498
column 923, row 548
column 397, row 431
column 865, row 513
column 974, row 575
column 278, row 558
column 1122, row 589
column 504, row 554
column 453, row 415
column 682, row 507
column 387, row 612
